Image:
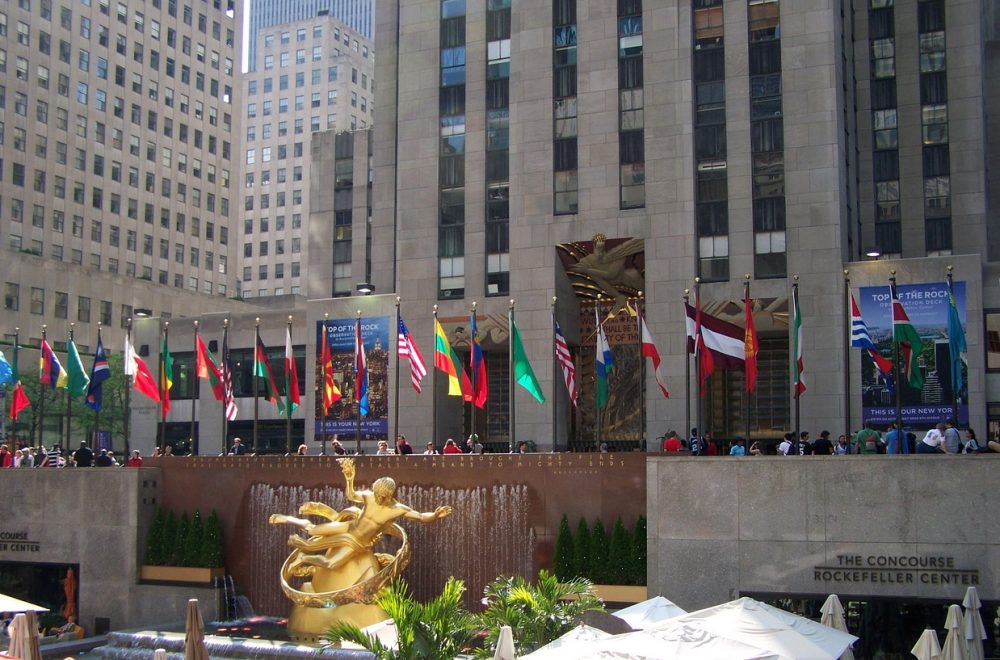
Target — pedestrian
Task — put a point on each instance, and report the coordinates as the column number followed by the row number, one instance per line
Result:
column 895, row 440
column 971, row 444
column 952, row 438
column 933, row 442
column 237, row 449
column 672, row 444
column 473, row 444
column 842, row 448
column 83, row 457
column 383, row 448
column 303, row 450
column 694, row 443
column 28, row 457
column 805, row 446
column 869, row 439
column 823, row 446
column 338, row 448
column 738, row 449
column 402, row 446
column 786, row 445
column 103, row 460
column 450, row 447
column 135, row 460
column 429, row 449
column 756, row 449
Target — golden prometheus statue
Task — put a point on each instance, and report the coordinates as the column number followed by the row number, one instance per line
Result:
column 339, row 570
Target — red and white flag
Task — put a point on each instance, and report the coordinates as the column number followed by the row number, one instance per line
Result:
column 649, row 351
column 565, row 360
column 228, row 401
column 407, row 349
column 143, row 379
column 720, row 344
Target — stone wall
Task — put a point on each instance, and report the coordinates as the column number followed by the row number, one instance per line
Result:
column 883, row 526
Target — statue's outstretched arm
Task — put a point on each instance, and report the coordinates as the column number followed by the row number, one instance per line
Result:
column 347, row 467
column 430, row 516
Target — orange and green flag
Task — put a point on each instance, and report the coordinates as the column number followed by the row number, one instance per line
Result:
column 447, row 361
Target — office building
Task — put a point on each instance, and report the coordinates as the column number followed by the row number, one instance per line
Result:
column 358, row 14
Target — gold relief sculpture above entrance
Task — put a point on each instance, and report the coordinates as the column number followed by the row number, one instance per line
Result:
column 602, row 267
column 334, row 572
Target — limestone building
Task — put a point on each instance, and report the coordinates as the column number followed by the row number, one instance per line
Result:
column 713, row 139
column 315, row 75
column 358, row 14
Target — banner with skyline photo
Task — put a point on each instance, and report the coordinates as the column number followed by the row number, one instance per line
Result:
column 341, row 419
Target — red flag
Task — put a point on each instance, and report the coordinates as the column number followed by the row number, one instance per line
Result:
column 331, row 393
column 144, row 381
column 750, row 345
column 18, row 402
column 477, row 366
column 649, row 351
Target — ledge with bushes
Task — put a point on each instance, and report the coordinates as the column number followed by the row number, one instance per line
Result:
column 615, row 564
column 183, row 549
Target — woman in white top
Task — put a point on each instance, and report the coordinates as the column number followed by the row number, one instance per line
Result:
column 933, row 442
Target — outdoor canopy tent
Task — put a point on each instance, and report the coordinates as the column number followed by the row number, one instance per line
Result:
column 650, row 612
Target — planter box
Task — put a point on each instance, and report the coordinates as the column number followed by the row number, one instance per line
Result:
column 180, row 574
column 620, row 593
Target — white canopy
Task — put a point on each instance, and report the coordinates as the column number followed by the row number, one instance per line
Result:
column 650, row 612
column 11, row 604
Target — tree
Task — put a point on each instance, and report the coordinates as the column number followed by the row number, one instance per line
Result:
column 599, row 554
column 213, row 549
column 166, row 554
column 176, row 548
column 619, row 569
column 154, row 539
column 639, row 550
column 564, row 564
column 192, row 547
column 111, row 418
column 537, row 613
column 581, row 550
column 438, row 630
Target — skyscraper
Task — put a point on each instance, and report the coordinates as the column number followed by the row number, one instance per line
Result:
column 358, row 14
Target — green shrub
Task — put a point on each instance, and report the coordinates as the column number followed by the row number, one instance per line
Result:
column 581, row 550
column 619, row 569
column 564, row 563
column 599, row 554
column 213, row 555
column 639, row 551
column 166, row 553
column 176, row 548
column 154, row 539
column 192, row 549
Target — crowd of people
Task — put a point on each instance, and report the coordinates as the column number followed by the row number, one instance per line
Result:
column 26, row 456
column 943, row 438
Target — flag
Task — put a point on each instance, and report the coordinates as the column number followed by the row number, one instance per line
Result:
column 18, row 399
column 909, row 342
column 477, row 366
column 956, row 345
column 331, row 393
column 406, row 348
column 206, row 366
column 750, row 344
column 859, row 329
column 99, row 373
column 523, row 373
column 649, row 351
column 360, row 371
column 565, row 360
column 447, row 361
column 229, row 402
column 135, row 366
column 167, row 375
column 799, row 385
column 715, row 343
column 77, row 379
column 6, row 373
column 603, row 362
column 52, row 373
column 292, row 399
column 884, row 367
column 262, row 369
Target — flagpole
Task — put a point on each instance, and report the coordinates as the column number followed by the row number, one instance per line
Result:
column 687, row 369
column 746, row 388
column 357, row 386
column 954, row 390
column 510, row 373
column 194, row 399
column 97, row 413
column 554, row 381
column 128, row 387
column 41, row 398
column 395, row 407
column 225, row 387
column 17, row 368
column 288, row 396
column 256, row 392
column 597, row 349
column 472, row 368
column 697, row 359
column 322, row 371
column 642, row 369
column 69, row 402
column 847, row 356
column 161, row 427
column 434, row 399
column 795, row 362
column 895, row 362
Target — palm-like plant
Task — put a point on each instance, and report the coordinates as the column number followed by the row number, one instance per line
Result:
column 538, row 613
column 440, row 629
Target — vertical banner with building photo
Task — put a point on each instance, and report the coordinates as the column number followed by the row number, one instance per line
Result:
column 927, row 307
column 341, row 418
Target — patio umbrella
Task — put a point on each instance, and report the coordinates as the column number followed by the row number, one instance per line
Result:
column 385, row 632
column 649, row 612
column 833, row 616
column 505, row 645
column 31, row 649
column 11, row 604
column 17, row 631
column 927, row 647
column 954, row 643
column 194, row 633
column 974, row 631
column 160, row 654
column 570, row 645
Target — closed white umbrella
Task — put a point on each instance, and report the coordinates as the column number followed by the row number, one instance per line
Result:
column 649, row 612
column 833, row 616
column 974, row 630
column 17, row 631
column 927, row 647
column 505, row 645
column 194, row 633
column 954, row 642
column 160, row 654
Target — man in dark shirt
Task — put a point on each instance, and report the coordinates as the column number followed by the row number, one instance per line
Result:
column 402, row 446
column 805, row 446
column 83, row 457
column 103, row 460
column 823, row 446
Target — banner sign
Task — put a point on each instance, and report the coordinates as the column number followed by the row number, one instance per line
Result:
column 927, row 307
column 342, row 416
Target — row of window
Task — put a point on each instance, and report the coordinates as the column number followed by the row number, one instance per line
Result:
column 497, row 220
column 284, row 38
column 315, row 101
column 451, row 161
column 631, row 119
column 565, row 174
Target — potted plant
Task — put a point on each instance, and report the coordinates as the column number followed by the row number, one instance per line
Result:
column 183, row 550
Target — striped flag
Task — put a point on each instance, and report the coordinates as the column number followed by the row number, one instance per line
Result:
column 52, row 373
column 799, row 385
column 859, row 329
column 407, row 349
column 447, row 361
column 911, row 346
column 360, row 371
column 292, row 399
column 477, row 365
column 99, row 373
column 228, row 401
column 649, row 351
column 565, row 360
column 604, row 362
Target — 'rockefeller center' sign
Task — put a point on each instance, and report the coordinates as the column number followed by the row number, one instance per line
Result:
column 896, row 569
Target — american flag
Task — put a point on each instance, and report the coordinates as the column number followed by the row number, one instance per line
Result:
column 227, row 380
column 565, row 360
column 407, row 349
